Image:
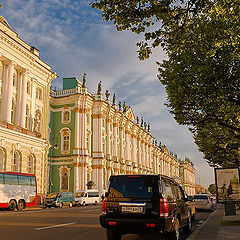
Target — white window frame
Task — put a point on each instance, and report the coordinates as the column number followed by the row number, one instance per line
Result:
column 31, row 168
column 2, row 159
column 39, row 93
column 16, row 165
column 63, row 132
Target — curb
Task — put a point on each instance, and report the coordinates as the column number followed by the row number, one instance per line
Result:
column 195, row 233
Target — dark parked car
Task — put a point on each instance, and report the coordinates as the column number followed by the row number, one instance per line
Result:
column 143, row 204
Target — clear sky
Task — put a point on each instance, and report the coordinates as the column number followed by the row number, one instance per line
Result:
column 73, row 39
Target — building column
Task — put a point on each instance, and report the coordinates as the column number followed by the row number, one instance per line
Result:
column 33, row 105
column 115, row 143
column 77, row 132
column 18, row 100
column 23, row 93
column 4, row 90
column 100, row 180
column 95, row 175
column 8, row 97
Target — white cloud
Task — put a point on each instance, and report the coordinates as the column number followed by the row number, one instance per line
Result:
column 73, row 39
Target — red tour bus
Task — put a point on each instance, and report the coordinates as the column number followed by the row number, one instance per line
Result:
column 17, row 190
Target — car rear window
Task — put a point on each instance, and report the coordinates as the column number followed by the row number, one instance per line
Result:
column 133, row 187
column 201, row 197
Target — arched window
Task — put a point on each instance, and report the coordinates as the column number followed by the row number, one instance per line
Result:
column 37, row 121
column 31, row 164
column 27, row 117
column 2, row 159
column 65, row 140
column 16, row 162
column 39, row 93
column 64, row 173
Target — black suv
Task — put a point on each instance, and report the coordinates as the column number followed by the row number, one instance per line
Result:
column 143, row 204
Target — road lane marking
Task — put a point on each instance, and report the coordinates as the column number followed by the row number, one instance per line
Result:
column 55, row 226
column 91, row 210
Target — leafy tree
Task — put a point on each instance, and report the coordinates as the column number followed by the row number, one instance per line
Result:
column 201, row 74
column 212, row 188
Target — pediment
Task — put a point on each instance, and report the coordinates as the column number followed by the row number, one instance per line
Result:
column 4, row 21
column 129, row 114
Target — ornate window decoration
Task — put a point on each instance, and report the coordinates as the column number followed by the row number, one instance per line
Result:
column 39, row 93
column 2, row 159
column 64, row 174
column 15, row 162
column 27, row 116
column 37, row 121
column 28, row 87
column 31, row 163
column 65, row 140
column 66, row 116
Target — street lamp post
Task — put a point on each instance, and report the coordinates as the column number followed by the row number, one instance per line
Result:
column 53, row 144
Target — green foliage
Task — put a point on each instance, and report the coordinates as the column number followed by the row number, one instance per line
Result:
column 201, row 74
column 212, row 188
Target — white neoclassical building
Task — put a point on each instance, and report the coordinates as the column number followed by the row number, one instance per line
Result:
column 24, row 107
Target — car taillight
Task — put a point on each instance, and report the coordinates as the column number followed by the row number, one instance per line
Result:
column 164, row 208
column 104, row 206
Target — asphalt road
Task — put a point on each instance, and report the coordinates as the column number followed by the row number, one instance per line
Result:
column 64, row 224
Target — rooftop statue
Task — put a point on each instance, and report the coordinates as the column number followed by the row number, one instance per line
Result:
column 120, row 106
column 124, row 107
column 99, row 87
column 114, row 99
column 107, row 94
column 84, row 80
column 137, row 120
column 141, row 122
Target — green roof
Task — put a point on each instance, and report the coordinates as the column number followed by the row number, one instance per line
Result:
column 70, row 83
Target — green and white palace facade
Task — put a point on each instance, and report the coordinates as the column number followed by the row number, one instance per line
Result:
column 71, row 139
column 92, row 138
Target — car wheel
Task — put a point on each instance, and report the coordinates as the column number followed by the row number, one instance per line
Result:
column 60, row 204
column 113, row 235
column 12, row 205
column 95, row 203
column 174, row 234
column 70, row 204
column 188, row 227
column 21, row 205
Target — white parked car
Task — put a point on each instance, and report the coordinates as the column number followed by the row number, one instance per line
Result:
column 203, row 201
column 87, row 197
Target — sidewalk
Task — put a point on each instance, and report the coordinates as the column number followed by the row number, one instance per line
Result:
column 37, row 207
column 212, row 229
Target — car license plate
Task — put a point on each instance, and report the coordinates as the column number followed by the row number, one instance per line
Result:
column 128, row 209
